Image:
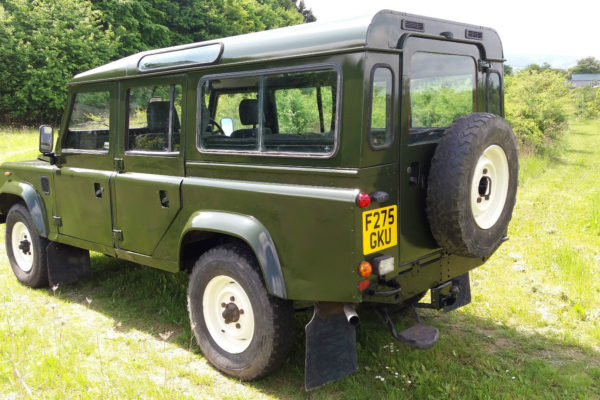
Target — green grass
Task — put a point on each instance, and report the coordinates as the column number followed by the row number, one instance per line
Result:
column 531, row 332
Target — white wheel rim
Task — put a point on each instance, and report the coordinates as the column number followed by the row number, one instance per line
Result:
column 22, row 247
column 233, row 337
column 489, row 187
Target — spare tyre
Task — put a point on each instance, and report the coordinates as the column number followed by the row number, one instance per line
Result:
column 472, row 185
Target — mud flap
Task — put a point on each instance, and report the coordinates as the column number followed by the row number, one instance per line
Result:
column 330, row 346
column 67, row 264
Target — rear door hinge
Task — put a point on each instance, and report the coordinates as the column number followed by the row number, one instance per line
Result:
column 56, row 221
column 117, row 235
column 484, row 65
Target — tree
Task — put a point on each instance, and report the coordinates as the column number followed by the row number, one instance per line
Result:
column 306, row 12
column 150, row 24
column 43, row 44
column 588, row 65
column 508, row 70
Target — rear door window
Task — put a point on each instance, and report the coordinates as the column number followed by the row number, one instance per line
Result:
column 153, row 123
column 442, row 88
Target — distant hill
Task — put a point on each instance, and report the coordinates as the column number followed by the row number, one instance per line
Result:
column 519, row 61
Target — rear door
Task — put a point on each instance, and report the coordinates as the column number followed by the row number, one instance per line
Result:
column 441, row 79
column 149, row 163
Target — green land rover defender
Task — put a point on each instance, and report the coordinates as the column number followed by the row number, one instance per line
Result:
column 363, row 161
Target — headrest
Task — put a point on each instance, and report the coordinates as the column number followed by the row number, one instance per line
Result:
column 158, row 116
column 249, row 112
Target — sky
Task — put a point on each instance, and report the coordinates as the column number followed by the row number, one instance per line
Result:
column 537, row 31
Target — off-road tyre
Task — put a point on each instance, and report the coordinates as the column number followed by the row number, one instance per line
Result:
column 26, row 250
column 273, row 321
column 476, row 157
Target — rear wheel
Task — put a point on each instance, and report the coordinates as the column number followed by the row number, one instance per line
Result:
column 240, row 328
column 26, row 250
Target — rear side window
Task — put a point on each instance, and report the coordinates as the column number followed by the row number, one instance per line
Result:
column 442, row 88
column 89, row 123
column 494, row 96
column 380, row 129
column 271, row 113
column 153, row 123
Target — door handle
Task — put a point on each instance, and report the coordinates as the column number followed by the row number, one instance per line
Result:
column 98, row 189
column 164, row 199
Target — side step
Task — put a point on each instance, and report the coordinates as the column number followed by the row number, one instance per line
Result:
column 419, row 336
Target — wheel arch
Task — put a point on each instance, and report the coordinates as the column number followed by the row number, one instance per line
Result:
column 212, row 227
column 15, row 192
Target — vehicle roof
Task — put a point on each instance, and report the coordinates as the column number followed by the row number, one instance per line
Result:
column 383, row 31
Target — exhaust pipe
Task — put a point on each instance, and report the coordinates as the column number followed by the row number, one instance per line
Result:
column 351, row 315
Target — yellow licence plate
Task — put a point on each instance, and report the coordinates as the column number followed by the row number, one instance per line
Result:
column 380, row 229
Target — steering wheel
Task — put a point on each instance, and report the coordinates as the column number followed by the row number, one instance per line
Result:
column 214, row 123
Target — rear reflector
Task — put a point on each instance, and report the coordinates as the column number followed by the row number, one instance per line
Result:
column 364, row 284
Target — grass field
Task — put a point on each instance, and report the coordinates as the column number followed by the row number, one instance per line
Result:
column 531, row 332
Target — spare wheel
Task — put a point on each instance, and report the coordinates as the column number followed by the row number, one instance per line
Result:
column 472, row 185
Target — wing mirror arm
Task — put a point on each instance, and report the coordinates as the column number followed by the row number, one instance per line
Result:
column 47, row 142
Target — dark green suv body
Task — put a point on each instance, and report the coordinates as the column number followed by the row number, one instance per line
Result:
column 359, row 161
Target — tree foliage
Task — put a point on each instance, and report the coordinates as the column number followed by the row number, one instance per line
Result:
column 43, row 43
column 588, row 65
column 536, row 105
column 148, row 24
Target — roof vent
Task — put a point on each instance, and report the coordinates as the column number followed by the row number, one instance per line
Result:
column 413, row 26
column 476, row 35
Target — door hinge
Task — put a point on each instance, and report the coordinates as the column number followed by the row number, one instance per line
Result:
column 484, row 65
column 117, row 235
column 119, row 165
column 56, row 221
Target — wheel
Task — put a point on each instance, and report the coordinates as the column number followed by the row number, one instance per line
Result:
column 240, row 328
column 26, row 250
column 472, row 185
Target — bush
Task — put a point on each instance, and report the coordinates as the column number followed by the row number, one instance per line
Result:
column 586, row 101
column 536, row 104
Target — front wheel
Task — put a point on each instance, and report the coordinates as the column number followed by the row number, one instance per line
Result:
column 26, row 250
column 240, row 328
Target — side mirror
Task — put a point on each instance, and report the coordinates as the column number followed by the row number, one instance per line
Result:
column 47, row 142
column 227, row 126
column 46, row 139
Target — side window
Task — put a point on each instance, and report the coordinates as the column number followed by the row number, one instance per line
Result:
column 381, row 133
column 88, row 127
column 294, row 113
column 442, row 88
column 494, row 96
column 229, row 114
column 300, row 112
column 153, row 119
